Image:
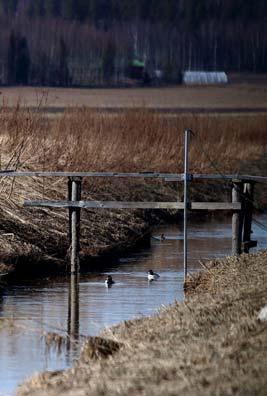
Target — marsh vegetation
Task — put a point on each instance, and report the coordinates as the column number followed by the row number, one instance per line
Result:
column 132, row 140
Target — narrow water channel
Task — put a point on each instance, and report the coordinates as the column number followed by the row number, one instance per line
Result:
column 35, row 308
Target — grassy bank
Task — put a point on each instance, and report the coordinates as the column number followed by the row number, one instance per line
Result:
column 86, row 140
column 211, row 344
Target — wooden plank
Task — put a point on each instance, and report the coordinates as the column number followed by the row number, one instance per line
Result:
column 170, row 177
column 151, row 175
column 234, row 177
column 215, row 206
column 105, row 204
column 199, row 176
column 134, row 205
column 259, row 179
column 215, row 176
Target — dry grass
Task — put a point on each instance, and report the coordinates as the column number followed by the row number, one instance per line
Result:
column 133, row 140
column 212, row 344
column 188, row 348
column 86, row 140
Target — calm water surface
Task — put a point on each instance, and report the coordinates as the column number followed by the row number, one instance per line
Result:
column 36, row 308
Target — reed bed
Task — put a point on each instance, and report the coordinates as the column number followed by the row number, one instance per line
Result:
column 130, row 140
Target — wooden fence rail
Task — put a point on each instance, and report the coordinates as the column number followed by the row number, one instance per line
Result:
column 134, row 205
column 151, row 175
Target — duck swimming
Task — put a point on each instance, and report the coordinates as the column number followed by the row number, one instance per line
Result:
column 109, row 281
column 152, row 275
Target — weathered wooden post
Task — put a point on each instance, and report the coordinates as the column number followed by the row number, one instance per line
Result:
column 73, row 308
column 237, row 218
column 76, row 183
column 187, row 178
column 248, row 210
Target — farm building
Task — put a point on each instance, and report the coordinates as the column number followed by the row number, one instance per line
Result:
column 202, row 77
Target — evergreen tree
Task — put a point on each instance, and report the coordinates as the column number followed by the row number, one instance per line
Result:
column 10, row 6
column 82, row 9
column 11, row 59
column 108, row 63
column 36, row 8
column 130, row 10
column 23, row 61
column 92, row 10
column 52, row 8
column 69, row 9
column 63, row 64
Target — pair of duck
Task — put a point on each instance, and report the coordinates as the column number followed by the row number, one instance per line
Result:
column 151, row 276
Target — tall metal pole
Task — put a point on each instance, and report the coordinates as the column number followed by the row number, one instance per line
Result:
column 186, row 180
column 75, row 225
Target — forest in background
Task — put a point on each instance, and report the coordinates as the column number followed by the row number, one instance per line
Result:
column 92, row 42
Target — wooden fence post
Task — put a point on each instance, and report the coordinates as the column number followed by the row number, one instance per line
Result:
column 75, row 225
column 237, row 219
column 248, row 209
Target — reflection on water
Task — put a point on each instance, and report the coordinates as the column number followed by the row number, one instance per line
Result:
column 73, row 311
column 78, row 306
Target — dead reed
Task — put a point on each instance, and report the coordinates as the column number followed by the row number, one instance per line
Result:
column 131, row 140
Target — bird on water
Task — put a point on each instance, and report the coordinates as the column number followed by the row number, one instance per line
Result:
column 109, row 281
column 152, row 275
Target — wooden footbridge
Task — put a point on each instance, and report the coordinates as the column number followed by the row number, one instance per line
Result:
column 241, row 205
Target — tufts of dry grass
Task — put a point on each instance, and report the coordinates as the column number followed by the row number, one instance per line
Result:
column 131, row 140
column 87, row 140
column 98, row 348
column 211, row 344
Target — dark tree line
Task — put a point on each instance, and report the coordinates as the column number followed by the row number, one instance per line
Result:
column 18, row 60
column 193, row 12
column 91, row 42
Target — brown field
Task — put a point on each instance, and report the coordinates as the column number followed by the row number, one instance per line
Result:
column 237, row 96
column 132, row 140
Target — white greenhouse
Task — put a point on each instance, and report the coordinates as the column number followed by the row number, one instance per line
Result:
column 204, row 78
